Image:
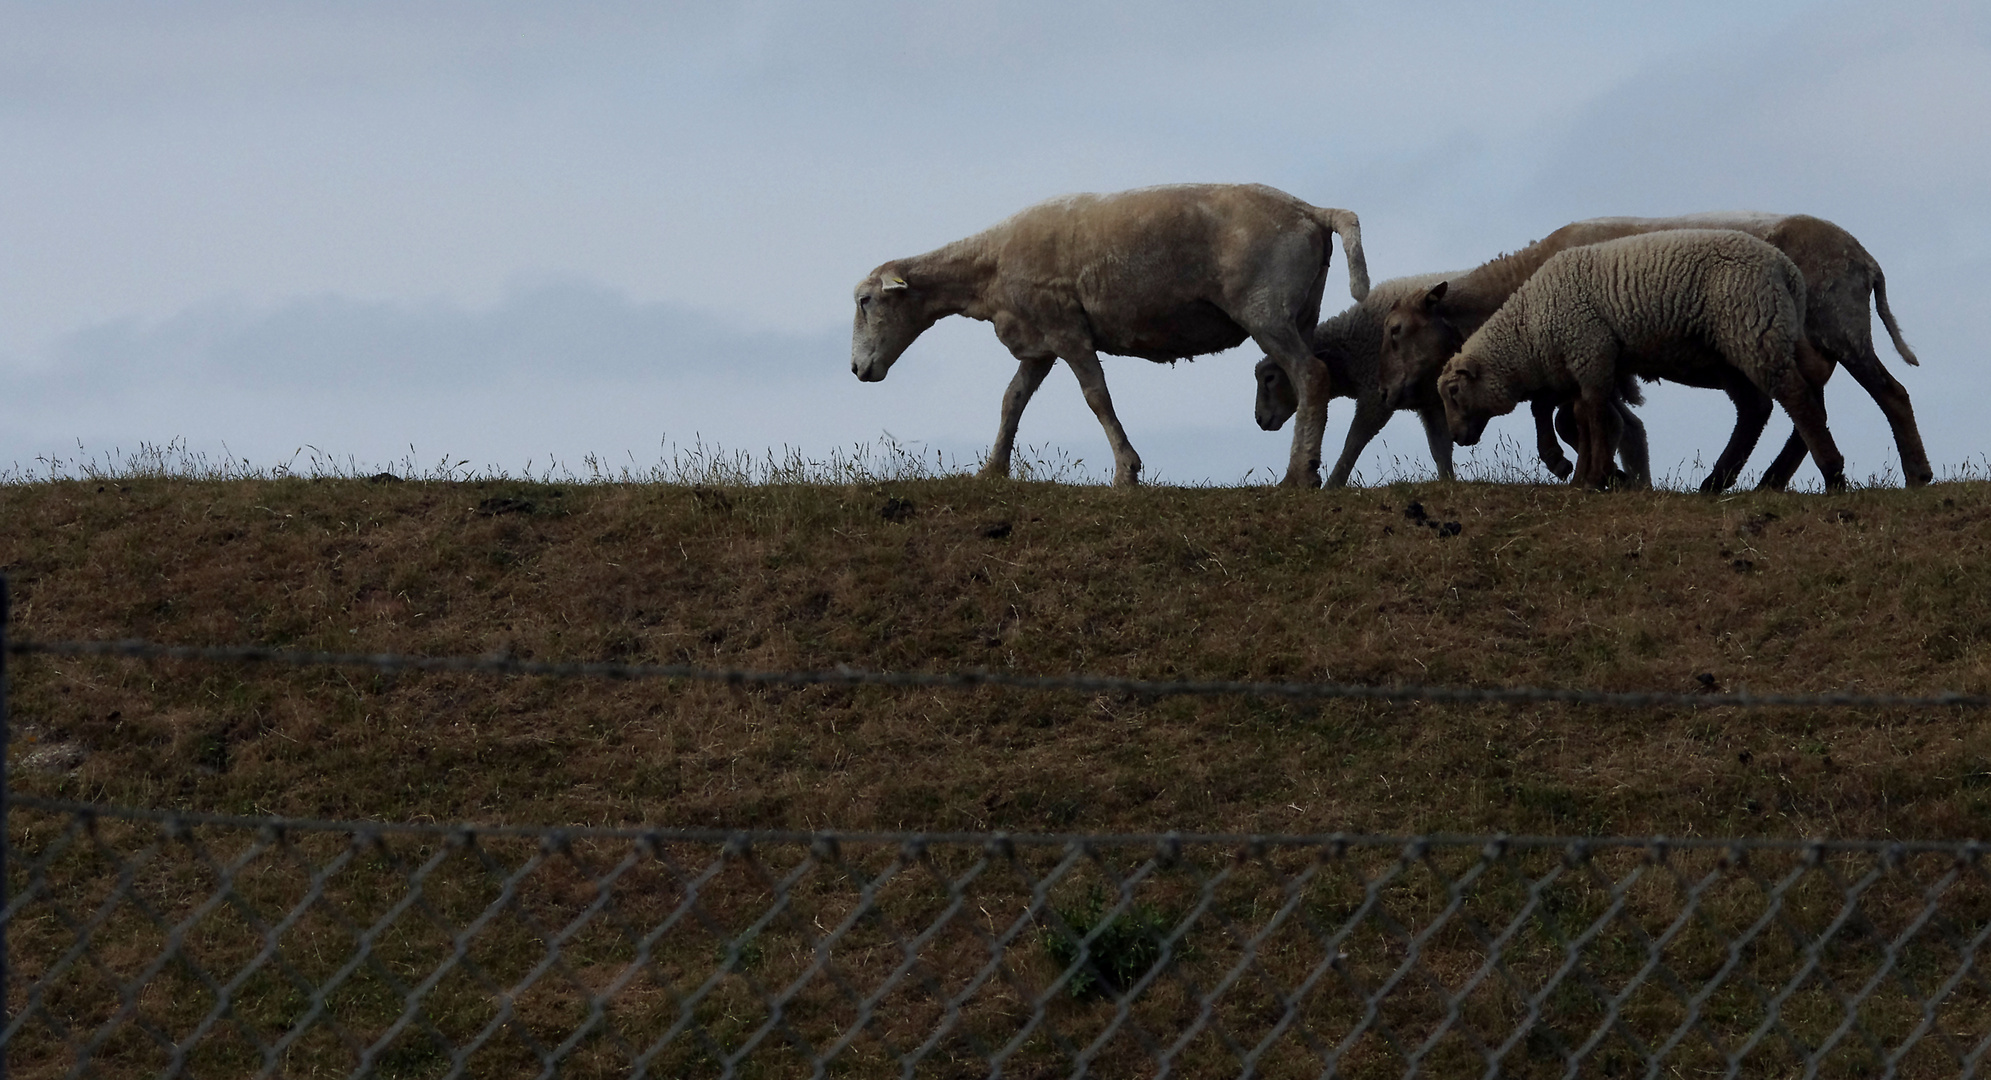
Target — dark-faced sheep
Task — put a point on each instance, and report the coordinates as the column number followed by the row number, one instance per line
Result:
column 1702, row 306
column 1162, row 273
column 1349, row 343
column 1422, row 332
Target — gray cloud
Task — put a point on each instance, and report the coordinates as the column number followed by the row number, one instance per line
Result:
column 1860, row 115
column 555, row 370
column 749, row 159
column 556, row 332
column 1858, row 111
column 708, row 181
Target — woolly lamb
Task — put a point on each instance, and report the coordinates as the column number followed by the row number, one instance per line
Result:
column 1161, row 273
column 1348, row 344
column 1421, row 333
column 1702, row 306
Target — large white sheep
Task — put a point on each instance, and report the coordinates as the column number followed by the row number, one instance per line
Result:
column 1349, row 344
column 1161, row 273
column 1710, row 307
column 1422, row 332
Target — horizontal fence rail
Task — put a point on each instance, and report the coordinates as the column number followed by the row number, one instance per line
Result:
column 155, row 943
column 965, row 680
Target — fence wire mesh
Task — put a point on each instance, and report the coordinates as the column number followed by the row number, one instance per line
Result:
column 149, row 943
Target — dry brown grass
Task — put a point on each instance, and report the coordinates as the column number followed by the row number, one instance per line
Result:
column 1878, row 590
column 1875, row 590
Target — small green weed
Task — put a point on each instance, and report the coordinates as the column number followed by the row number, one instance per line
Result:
column 1124, row 951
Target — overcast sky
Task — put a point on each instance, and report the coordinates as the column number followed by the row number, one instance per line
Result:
column 514, row 233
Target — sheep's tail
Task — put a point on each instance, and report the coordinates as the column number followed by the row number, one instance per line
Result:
column 1887, row 318
column 1348, row 227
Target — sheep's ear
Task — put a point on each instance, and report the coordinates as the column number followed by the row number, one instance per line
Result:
column 1436, row 293
column 894, row 281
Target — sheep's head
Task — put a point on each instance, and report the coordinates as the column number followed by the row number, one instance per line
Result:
column 1417, row 340
column 1472, row 396
column 1276, row 400
column 890, row 315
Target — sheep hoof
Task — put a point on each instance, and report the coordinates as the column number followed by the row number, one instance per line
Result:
column 992, row 471
column 1129, row 476
column 1560, row 467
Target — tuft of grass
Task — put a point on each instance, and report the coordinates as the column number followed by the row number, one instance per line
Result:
column 887, row 460
column 1122, row 949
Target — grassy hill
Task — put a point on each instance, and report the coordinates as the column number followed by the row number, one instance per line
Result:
column 1879, row 590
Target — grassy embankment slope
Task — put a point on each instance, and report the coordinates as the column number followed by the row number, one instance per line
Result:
column 1879, row 590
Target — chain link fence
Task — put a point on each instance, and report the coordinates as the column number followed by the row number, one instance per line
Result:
column 148, row 943
column 154, row 943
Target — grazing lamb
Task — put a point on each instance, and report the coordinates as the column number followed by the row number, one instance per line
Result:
column 1162, row 273
column 1711, row 307
column 1421, row 333
column 1348, row 343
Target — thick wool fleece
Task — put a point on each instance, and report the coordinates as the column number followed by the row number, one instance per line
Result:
column 1658, row 305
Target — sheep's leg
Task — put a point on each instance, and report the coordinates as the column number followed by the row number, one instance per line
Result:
column 1370, row 416
column 1633, row 450
column 1752, row 414
column 1611, row 443
column 1546, row 446
column 1566, row 427
column 1092, row 380
column 1439, row 435
column 1807, row 411
column 1892, row 398
column 1805, row 402
column 1778, row 475
column 1597, row 444
column 1030, row 372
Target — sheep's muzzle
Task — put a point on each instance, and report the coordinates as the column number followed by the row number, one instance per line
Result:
column 1467, row 431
